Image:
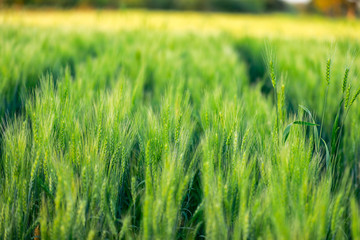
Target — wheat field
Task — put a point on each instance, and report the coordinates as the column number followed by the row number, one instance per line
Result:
column 137, row 124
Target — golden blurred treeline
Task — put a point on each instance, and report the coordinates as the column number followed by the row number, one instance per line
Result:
column 328, row 7
column 224, row 5
column 337, row 7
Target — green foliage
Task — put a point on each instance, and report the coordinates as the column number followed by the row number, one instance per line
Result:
column 133, row 136
column 332, row 159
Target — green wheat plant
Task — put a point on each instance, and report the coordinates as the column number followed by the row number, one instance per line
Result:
column 151, row 134
column 331, row 157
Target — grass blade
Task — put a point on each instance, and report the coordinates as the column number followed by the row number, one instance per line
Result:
column 316, row 133
column 288, row 128
column 287, row 132
column 327, row 158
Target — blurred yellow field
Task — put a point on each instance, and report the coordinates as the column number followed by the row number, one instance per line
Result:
column 273, row 26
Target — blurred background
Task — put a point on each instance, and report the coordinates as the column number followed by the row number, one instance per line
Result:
column 332, row 8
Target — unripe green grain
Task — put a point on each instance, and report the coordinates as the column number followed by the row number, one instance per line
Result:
column 34, row 169
column 46, row 172
column 335, row 215
column 112, row 206
column 177, row 128
column 281, row 103
column 347, row 96
column 123, row 164
column 355, row 96
column 72, row 150
column 235, row 147
column 228, row 138
column 206, row 119
column 328, row 72
column 50, row 185
column 62, row 135
column 99, row 131
column 346, row 75
column 24, row 190
column 133, row 189
column 18, row 219
column 78, row 156
column 84, row 180
column 103, row 202
column 272, row 74
column 245, row 139
column 246, row 226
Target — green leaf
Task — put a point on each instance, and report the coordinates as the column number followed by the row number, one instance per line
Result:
column 327, row 159
column 288, row 127
column 335, row 131
column 316, row 133
column 287, row 132
column 305, row 123
column 307, row 110
column 334, row 139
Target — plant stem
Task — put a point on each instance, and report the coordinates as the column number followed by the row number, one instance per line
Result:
column 341, row 128
column 324, row 109
column 277, row 114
